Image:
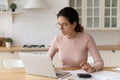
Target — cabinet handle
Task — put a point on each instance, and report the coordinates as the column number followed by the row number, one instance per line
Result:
column 12, row 52
column 113, row 50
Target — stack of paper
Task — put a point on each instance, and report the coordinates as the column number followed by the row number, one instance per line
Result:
column 106, row 75
column 99, row 75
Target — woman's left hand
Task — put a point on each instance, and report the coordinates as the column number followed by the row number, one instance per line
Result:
column 87, row 67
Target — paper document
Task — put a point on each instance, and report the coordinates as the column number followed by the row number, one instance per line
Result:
column 99, row 75
column 106, row 75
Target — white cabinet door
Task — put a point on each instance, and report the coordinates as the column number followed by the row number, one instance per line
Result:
column 56, row 61
column 7, row 55
column 111, row 57
column 97, row 14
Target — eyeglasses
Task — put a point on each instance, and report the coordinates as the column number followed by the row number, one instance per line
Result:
column 63, row 24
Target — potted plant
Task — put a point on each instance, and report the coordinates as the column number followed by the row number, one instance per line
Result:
column 13, row 6
column 8, row 42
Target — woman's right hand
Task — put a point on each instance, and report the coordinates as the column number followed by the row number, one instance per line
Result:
column 87, row 67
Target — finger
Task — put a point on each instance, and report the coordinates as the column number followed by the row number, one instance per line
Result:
column 86, row 66
column 82, row 64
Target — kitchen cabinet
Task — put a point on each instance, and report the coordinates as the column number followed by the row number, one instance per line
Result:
column 56, row 61
column 111, row 57
column 6, row 56
column 12, row 54
column 98, row 14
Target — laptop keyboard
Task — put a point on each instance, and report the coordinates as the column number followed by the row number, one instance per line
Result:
column 61, row 74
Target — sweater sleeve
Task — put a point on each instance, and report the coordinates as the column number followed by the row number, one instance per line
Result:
column 98, row 62
column 53, row 48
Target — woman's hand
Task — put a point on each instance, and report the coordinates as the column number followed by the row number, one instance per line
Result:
column 87, row 67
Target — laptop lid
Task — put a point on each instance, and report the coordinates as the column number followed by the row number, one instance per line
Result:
column 38, row 64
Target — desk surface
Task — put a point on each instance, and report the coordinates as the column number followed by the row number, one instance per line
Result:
column 19, row 74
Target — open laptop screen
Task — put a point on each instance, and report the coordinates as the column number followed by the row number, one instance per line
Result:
column 40, row 64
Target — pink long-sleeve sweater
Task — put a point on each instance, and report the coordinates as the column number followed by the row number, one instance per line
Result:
column 74, row 51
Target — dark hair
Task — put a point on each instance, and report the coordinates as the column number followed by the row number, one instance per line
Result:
column 72, row 16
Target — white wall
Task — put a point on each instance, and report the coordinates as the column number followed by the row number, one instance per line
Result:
column 38, row 26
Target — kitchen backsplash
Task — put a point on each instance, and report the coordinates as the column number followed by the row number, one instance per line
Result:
column 106, row 37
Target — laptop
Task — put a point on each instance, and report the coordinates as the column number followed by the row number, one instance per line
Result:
column 40, row 64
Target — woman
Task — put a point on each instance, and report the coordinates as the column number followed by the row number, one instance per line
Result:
column 73, row 44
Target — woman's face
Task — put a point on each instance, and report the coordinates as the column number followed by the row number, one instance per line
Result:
column 65, row 26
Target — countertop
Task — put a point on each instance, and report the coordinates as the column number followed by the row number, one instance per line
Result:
column 18, row 49
column 108, row 47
